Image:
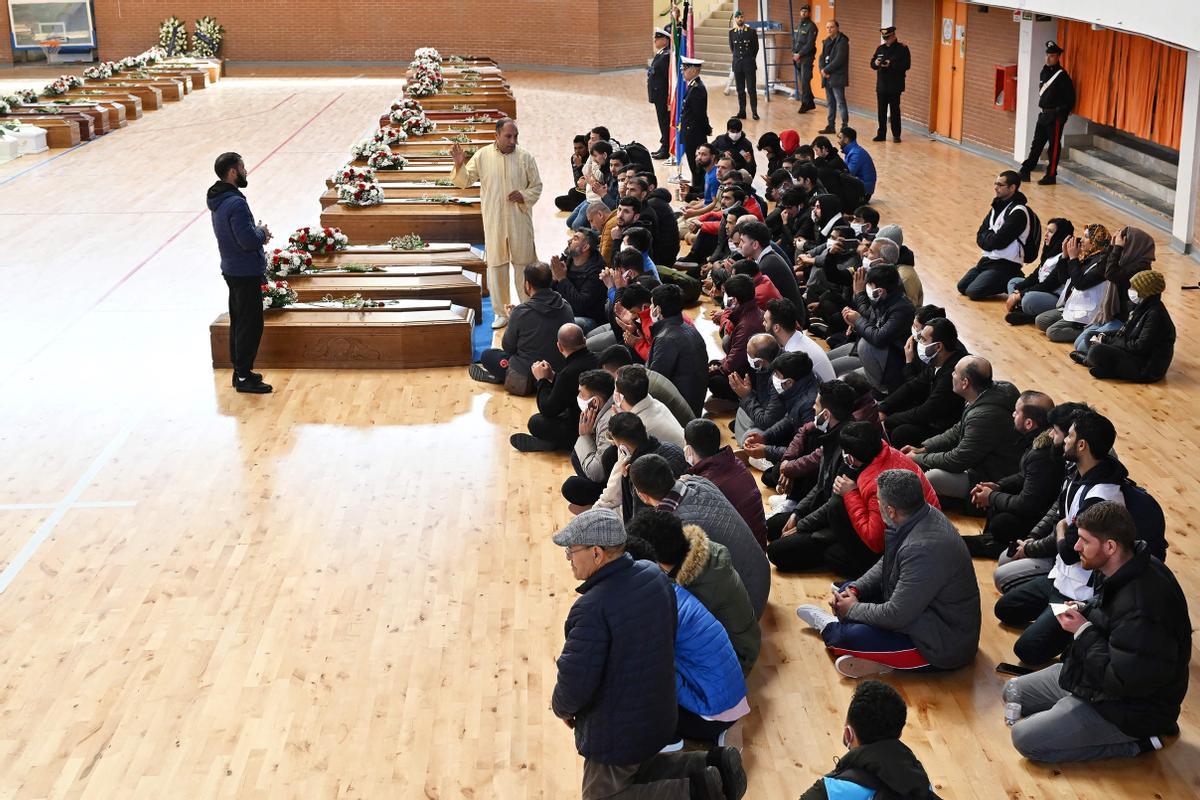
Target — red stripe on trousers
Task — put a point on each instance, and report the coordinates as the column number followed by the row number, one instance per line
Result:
column 896, row 659
column 1055, row 148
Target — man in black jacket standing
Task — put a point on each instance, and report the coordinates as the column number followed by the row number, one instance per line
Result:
column 556, row 422
column 657, row 87
column 743, row 45
column 694, row 116
column 1124, row 676
column 1056, row 98
column 890, row 61
column 835, row 74
column 804, row 53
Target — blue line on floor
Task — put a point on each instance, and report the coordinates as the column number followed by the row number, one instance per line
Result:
column 39, row 165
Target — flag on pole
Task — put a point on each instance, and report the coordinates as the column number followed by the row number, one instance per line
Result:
column 681, row 46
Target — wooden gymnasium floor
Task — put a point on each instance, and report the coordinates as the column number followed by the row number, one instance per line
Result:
column 347, row 588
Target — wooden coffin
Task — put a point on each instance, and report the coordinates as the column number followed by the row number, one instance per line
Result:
column 99, row 117
column 129, row 101
column 183, row 86
column 440, row 115
column 456, row 102
column 455, row 254
column 85, row 129
column 393, row 191
column 169, row 90
column 433, row 222
column 438, row 146
column 197, row 77
column 447, row 128
column 426, row 333
column 215, row 67
column 151, row 96
column 426, row 172
column 461, row 287
column 112, row 114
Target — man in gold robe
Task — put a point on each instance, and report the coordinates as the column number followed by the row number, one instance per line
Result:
column 509, row 185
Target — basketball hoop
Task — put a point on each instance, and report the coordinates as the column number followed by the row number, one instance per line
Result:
column 50, row 48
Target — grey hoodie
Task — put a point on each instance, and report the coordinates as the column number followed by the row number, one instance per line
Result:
column 532, row 332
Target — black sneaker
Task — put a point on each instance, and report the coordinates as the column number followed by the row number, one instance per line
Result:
column 1019, row 318
column 896, row 139
column 984, row 546
column 741, row 115
column 728, row 762
column 525, row 443
column 478, row 372
column 250, row 386
column 1079, row 358
column 880, row 138
column 254, row 376
column 1048, row 180
column 755, row 115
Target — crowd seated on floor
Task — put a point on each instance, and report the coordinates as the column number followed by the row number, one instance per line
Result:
column 861, row 411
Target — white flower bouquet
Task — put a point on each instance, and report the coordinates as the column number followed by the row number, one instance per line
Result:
column 360, row 194
column 386, row 160
column 288, row 262
column 428, row 54
column 99, row 72
column 390, row 137
column 363, row 149
column 277, row 294
column 353, row 174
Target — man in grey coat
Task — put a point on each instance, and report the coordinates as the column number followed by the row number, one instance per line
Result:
column 835, row 74
column 918, row 607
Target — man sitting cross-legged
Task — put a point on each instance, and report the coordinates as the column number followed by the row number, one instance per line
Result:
column 918, row 607
column 554, row 425
column 1125, row 672
column 594, row 453
column 710, row 460
column 633, row 442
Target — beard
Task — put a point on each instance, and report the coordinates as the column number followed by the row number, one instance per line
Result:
column 242, row 182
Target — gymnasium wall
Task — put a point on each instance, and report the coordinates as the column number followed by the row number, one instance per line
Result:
column 992, row 39
column 5, row 38
column 589, row 34
column 914, row 21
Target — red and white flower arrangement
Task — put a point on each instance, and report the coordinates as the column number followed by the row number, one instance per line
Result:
column 318, row 241
column 363, row 149
column 56, row 88
column 360, row 194
column 72, row 81
column 288, row 262
column 26, row 97
column 277, row 294
column 413, row 123
column 428, row 54
column 353, row 174
column 99, row 72
column 386, row 160
column 390, row 137
column 426, row 80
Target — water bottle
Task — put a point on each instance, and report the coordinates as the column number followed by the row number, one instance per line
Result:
column 1012, row 703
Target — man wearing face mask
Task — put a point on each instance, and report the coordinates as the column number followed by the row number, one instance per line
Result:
column 633, row 396
column 982, row 446
column 742, row 319
column 594, row 453
column 734, row 144
column 796, row 386
column 633, row 442
column 876, row 762
column 661, row 389
column 554, row 425
column 708, row 459
column 758, row 404
column 926, row 405
column 677, row 351
column 881, row 319
column 917, row 607
column 243, row 264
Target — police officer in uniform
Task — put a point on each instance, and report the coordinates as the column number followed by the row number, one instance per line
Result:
column 804, row 53
column 657, row 87
column 1056, row 98
column 743, row 44
column 694, row 116
column 890, row 61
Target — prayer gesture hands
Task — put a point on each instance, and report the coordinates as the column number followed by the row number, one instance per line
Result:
column 860, row 280
column 558, row 269
column 587, row 419
column 739, row 385
column 1071, row 247
column 542, row 371
column 842, row 601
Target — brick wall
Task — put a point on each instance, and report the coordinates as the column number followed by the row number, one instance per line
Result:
column 586, row 34
column 914, row 21
column 992, row 39
column 859, row 20
column 6, row 54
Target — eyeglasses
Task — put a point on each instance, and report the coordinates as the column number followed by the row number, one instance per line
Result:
column 572, row 551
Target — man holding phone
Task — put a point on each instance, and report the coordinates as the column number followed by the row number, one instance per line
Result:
column 890, row 61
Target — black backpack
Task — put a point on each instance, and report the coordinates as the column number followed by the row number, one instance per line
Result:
column 1031, row 246
column 1147, row 518
column 638, row 154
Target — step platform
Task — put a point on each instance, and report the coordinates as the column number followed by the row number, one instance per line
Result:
column 460, row 286
column 433, row 222
column 423, row 333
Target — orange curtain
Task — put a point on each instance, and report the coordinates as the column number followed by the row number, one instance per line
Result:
column 1128, row 82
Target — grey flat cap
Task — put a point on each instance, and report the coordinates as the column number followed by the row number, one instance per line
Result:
column 598, row 527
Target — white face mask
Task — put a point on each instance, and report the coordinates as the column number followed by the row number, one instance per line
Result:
column 858, row 227
column 734, row 136
column 625, row 246
column 928, row 352
column 815, row 215
column 623, row 451
column 730, row 302
column 916, row 334
column 655, row 314
column 874, row 293
column 618, row 400
column 755, row 363
column 866, row 262
column 777, row 382
column 821, row 422
column 689, row 455
column 583, row 404
column 1134, row 297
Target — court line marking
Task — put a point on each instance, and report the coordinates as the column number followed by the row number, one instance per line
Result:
column 84, row 504
column 69, row 501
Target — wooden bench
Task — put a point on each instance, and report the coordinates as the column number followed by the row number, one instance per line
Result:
column 461, row 287
column 423, row 333
column 433, row 222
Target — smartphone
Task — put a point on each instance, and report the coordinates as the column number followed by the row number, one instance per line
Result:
column 1004, row 668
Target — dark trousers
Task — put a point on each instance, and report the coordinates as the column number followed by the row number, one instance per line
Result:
column 888, row 100
column 1109, row 361
column 1048, row 130
column 569, row 201
column 836, row 548
column 559, row 430
column 890, row 648
column 906, row 433
column 805, row 67
column 495, row 361
column 1029, row 602
column 582, row 490
column 663, row 114
column 703, row 246
column 245, row 321
column 697, row 173
column 718, row 384
column 745, row 75
column 694, row 726
column 988, row 278
column 1007, row 527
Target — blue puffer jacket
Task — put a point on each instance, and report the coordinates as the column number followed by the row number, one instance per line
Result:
column 239, row 240
column 708, row 678
column 616, row 674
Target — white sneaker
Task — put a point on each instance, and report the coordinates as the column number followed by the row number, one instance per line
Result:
column 499, row 322
column 674, row 747
column 780, row 503
column 815, row 617
column 855, row 667
column 760, row 464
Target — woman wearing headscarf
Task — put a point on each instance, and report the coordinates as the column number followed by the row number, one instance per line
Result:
column 1132, row 251
column 1144, row 346
column 1079, row 303
column 1038, row 292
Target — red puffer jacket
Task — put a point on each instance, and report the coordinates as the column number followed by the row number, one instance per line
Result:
column 862, row 503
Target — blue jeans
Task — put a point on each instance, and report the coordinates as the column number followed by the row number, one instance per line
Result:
column 857, row 639
column 578, row 218
column 1083, row 343
column 1034, row 303
column 835, row 98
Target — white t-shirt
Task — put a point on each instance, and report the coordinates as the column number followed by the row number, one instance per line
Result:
column 822, row 367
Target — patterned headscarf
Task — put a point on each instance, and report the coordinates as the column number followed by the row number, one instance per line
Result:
column 1099, row 236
